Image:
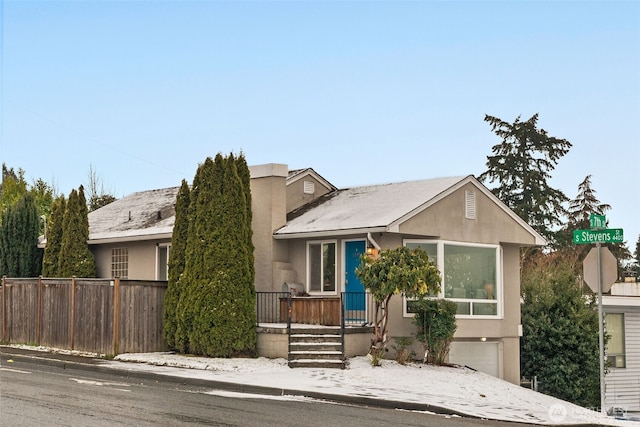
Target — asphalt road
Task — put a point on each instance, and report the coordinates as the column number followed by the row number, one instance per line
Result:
column 34, row 394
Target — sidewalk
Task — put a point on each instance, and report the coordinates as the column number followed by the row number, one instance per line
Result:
column 444, row 390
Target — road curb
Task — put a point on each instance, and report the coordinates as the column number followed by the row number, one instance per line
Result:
column 96, row 365
column 92, row 364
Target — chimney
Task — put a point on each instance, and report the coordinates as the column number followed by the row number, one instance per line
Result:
column 269, row 213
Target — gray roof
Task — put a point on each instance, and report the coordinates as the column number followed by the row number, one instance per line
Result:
column 139, row 216
column 370, row 208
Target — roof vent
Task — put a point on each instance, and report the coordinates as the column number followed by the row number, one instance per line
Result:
column 470, row 204
column 309, row 187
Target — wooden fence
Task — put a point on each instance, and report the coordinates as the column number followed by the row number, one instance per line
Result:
column 94, row 315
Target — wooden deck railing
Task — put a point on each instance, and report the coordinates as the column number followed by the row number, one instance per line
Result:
column 352, row 308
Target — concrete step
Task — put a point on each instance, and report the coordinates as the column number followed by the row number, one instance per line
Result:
column 315, row 355
column 315, row 338
column 314, row 363
column 316, row 346
column 325, row 330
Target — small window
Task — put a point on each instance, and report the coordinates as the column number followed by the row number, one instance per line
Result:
column 120, row 263
column 616, row 355
column 309, row 187
column 322, row 267
column 162, row 271
column 470, row 204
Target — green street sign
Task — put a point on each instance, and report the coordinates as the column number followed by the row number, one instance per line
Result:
column 597, row 221
column 611, row 235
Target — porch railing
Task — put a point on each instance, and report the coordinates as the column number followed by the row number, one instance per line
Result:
column 269, row 307
column 356, row 308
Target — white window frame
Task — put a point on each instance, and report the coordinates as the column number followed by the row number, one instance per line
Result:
column 166, row 246
column 335, row 272
column 440, row 244
column 623, row 355
column 120, row 262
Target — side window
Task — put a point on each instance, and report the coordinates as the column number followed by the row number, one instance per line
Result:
column 162, row 256
column 120, row 263
column 321, row 266
column 616, row 357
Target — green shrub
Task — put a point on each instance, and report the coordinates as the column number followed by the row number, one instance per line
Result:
column 403, row 354
column 436, row 322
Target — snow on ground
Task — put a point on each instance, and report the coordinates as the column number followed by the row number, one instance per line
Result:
column 460, row 389
column 456, row 388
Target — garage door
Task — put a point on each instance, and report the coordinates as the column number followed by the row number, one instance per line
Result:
column 481, row 356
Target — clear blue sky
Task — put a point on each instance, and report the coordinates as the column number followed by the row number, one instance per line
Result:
column 363, row 92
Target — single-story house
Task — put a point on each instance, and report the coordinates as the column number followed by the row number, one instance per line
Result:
column 309, row 235
column 622, row 316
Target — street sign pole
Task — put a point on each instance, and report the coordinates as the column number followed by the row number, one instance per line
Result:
column 599, row 235
column 601, row 333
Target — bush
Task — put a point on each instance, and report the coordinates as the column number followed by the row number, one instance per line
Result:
column 436, row 322
column 403, row 354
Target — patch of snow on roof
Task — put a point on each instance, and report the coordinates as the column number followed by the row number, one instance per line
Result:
column 368, row 207
column 143, row 213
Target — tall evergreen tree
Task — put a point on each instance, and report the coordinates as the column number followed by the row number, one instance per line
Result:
column 520, row 167
column 12, row 187
column 19, row 253
column 578, row 214
column 176, row 265
column 75, row 258
column 245, row 178
column 585, row 204
column 578, row 218
column 218, row 312
column 51, row 260
column 184, row 310
column 225, row 319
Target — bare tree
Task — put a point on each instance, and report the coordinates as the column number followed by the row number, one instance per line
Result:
column 98, row 195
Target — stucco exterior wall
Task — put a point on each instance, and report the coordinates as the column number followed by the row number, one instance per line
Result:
column 446, row 220
column 142, row 258
column 296, row 197
column 268, row 201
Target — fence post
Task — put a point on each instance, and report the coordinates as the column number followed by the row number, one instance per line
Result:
column 39, row 315
column 73, row 310
column 4, row 312
column 116, row 313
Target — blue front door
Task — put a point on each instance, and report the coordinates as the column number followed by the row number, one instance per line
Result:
column 354, row 298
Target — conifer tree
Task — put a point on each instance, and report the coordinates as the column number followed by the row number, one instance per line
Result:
column 245, row 177
column 218, row 274
column 176, row 265
column 520, row 168
column 75, row 258
column 184, row 309
column 579, row 212
column 225, row 316
column 19, row 253
column 51, row 258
